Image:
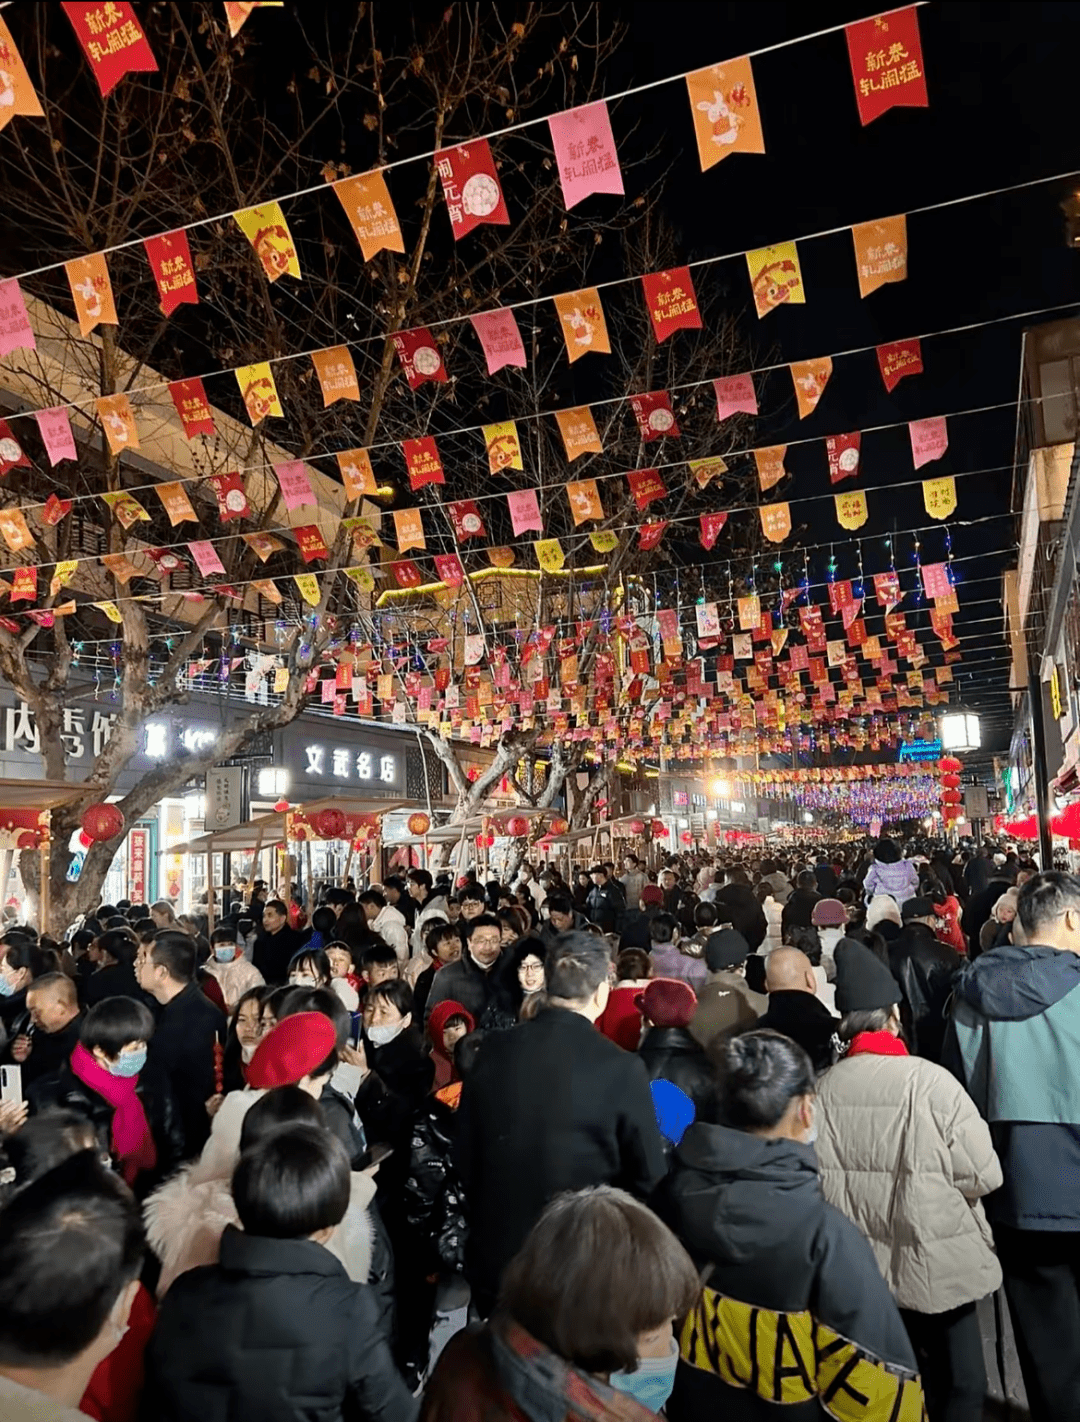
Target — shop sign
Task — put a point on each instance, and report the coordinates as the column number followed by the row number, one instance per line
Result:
column 85, row 733
column 137, row 849
column 224, row 797
column 361, row 765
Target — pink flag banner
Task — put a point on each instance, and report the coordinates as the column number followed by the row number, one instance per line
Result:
column 500, row 338
column 585, row 152
column 54, row 427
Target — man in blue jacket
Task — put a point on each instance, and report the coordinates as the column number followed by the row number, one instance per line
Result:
column 1017, row 1050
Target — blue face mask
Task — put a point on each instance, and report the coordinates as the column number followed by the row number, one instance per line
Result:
column 652, row 1382
column 7, row 987
column 224, row 952
column 129, row 1063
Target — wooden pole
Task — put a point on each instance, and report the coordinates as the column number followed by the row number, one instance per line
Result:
column 44, row 861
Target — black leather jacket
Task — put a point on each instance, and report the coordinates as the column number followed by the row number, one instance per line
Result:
column 926, row 969
column 674, row 1054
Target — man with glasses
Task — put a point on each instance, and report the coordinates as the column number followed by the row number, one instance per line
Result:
column 471, row 980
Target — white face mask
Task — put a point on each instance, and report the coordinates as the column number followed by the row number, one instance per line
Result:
column 302, row 980
column 383, row 1036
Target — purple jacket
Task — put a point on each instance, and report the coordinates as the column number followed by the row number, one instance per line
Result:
column 668, row 962
column 901, row 880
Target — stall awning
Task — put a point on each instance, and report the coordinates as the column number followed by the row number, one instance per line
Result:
column 263, row 831
column 38, row 794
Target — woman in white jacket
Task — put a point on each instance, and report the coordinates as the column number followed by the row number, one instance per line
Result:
column 906, row 1156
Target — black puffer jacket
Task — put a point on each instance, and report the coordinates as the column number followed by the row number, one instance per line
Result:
column 274, row 1331
column 926, row 970
column 675, row 1055
column 434, row 1199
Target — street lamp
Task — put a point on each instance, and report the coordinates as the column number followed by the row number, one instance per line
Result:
column 960, row 731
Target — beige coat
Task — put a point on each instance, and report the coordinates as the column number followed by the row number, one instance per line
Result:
column 906, row 1156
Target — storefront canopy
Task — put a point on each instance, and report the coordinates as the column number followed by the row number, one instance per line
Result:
column 261, row 832
column 38, row 794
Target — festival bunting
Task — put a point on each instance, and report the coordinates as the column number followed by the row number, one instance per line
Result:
column 176, row 503
column 503, row 446
column 237, row 11
column 500, row 338
column 712, row 525
column 549, row 554
column 604, row 540
column 585, row 152
column 126, row 508
column 501, row 557
column 723, row 102
column 935, row 579
column 190, row 402
column 268, row 232
column 775, row 521
column 770, row 465
column 654, row 415
column 120, row 566
column 296, row 490
column 259, row 392
column 263, row 545
column 112, row 40
column 357, row 475
column 880, row 253
column 423, row 462
column 118, row 421
column 311, row 543
column 54, row 427
column 170, row 261
column 851, row 510
column 775, row 277
column 939, row 496
column 899, row 359
column 450, row 570
column 364, row 532
column 579, row 433
column 810, row 378
column 369, row 208
column 206, row 558
column 735, row 395
column 267, row 588
column 307, row 584
column 525, row 511
column 231, row 497
column 15, row 530
column 929, row 440
column 419, row 357
column 16, row 333
column 671, row 302
column 62, row 574
column 24, row 585
column 12, row 454
column 887, row 64
column 650, row 534
column 843, row 454
column 91, row 291
column 706, row 470
column 749, row 610
column 645, row 486
column 17, row 96
column 584, row 498
column 584, row 329
column 337, row 374
column 471, row 187
column 465, row 520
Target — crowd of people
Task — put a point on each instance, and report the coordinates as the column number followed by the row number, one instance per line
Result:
column 724, row 1137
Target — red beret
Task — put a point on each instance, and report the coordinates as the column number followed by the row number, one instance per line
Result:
column 291, row 1050
column 668, row 1002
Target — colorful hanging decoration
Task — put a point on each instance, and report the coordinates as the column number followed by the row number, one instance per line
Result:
column 671, row 302
column 500, row 338
column 929, row 440
column 126, row 509
column 311, row 543
column 170, row 261
column 54, row 426
column 369, row 208
column 423, row 462
column 118, row 422
column 581, row 317
column 17, row 96
column 775, row 521
column 231, row 496
column 471, row 187
column 645, row 486
column 296, row 490
column 549, row 554
column 337, row 374
column 770, row 465
column 12, row 454
column 450, row 569
column 16, row 333
column 775, row 277
column 190, row 402
column 939, row 496
column 887, row 64
column 880, row 253
column 503, row 446
column 810, row 378
column 465, row 519
column 268, row 232
column 712, row 525
column 112, row 40
column 91, row 291
column 176, row 503
column 585, row 152
column 706, row 470
column 654, row 415
column 258, row 391
column 524, row 512
column 851, row 511
column 843, row 453
column 899, row 359
column 579, row 433
column 650, row 534
column 735, row 395
column 584, row 498
column 237, row 11
column 419, row 356
column 723, row 102
column 357, row 474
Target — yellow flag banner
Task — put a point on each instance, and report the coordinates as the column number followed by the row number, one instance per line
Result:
column 91, row 290
column 362, row 576
column 775, row 521
column 584, row 499
column 851, row 509
column 337, row 374
column 63, row 573
column 176, row 503
column 368, row 206
column 604, row 541
column 810, row 378
column 880, row 252
column 706, row 470
column 409, row 528
column 18, row 96
column 127, row 509
column 356, row 473
column 583, row 326
column 549, row 554
column 259, row 392
column 579, row 432
column 503, row 446
column 770, row 465
column 749, row 612
column 308, row 584
column 118, row 422
column 775, row 277
column 724, row 105
column 111, row 611
column 939, row 496
column 268, row 232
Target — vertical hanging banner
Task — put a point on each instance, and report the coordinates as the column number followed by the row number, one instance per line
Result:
column 232, row 500
column 419, row 357
column 810, row 378
column 929, row 440
column 645, row 485
column 12, row 454
column 296, row 490
column 471, row 187
column 450, row 569
column 585, row 152
column 549, row 554
column 14, row 530
column 503, row 446
column 671, row 302
column 770, row 465
column 775, row 277
column 723, row 102
column 337, row 374
column 584, row 497
column 54, row 427
column 368, row 206
column 525, row 512
column 409, row 529
column 423, row 462
column 579, row 433
column 650, row 534
column 118, row 421
column 735, row 396
column 851, row 510
column 939, row 496
column 880, row 252
column 170, row 261
column 307, row 585
column 843, row 453
column 712, row 525
column 91, row 290
column 24, row 587
column 706, row 470
column 500, row 338
column 263, row 545
column 112, row 40
column 583, row 326
column 206, row 558
column 465, row 520
column 126, row 508
column 268, row 232
column 887, row 589
column 259, row 392
column 935, row 579
column 887, row 64
column 654, row 415
column 899, row 359
column 775, row 521
column 17, row 96
column 16, row 333
column 356, row 473
column 190, row 402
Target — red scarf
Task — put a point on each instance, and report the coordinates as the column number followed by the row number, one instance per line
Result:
column 877, row 1044
column 131, row 1138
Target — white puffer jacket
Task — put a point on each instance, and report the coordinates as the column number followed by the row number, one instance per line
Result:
column 906, row 1156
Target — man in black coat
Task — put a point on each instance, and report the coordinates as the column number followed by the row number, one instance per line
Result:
column 925, row 969
column 799, row 909
column 606, row 901
column 471, row 980
column 794, row 1008
column 276, row 943
column 671, row 1052
column 55, row 1021
column 182, row 1047
column 551, row 1106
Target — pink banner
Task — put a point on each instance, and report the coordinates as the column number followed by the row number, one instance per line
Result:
column 525, row 511
column 935, row 579
column 929, row 440
column 734, row 396
column 296, row 487
column 206, row 558
column 500, row 338
column 16, row 332
column 55, row 430
column 585, row 152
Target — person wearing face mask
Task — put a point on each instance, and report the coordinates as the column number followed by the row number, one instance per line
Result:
column 395, row 1050
column 471, row 980
column 785, row 1274
column 311, row 968
column 229, row 968
column 584, row 1321
column 23, row 961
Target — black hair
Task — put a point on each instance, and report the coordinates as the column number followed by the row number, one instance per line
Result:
column 559, row 903
column 223, row 934
column 887, row 851
column 465, row 1052
column 176, row 952
column 22, row 953
column 375, row 897
column 761, row 1074
column 662, row 928
column 482, row 920
column 232, row 1061
column 421, row 877
column 436, row 931
column 705, row 915
column 338, row 896
column 379, row 952
column 394, row 991
column 577, row 963
column 44, row 1142
column 294, row 1183
column 1045, row 898
column 473, row 892
column 277, row 906
column 806, row 879
column 310, row 958
column 279, row 1109
column 323, row 920
column 114, row 1022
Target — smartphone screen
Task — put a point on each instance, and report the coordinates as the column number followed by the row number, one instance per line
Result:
column 11, row 1083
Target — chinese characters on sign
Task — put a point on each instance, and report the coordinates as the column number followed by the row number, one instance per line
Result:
column 887, row 64
column 343, row 763
column 21, row 732
column 137, row 866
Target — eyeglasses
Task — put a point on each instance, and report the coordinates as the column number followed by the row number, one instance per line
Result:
column 486, row 940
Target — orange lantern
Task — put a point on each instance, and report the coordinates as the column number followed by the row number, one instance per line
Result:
column 419, row 824
column 558, row 825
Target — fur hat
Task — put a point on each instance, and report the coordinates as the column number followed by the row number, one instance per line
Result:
column 667, row 1002
column 292, row 1050
column 828, row 913
column 863, row 982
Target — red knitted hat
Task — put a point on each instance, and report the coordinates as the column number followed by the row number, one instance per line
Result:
column 652, row 894
column 291, row 1050
column 667, row 1002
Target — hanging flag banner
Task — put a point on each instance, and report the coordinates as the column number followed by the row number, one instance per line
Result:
column 929, row 440
column 12, row 453
column 471, row 187
column 810, row 378
column 604, row 541
column 501, row 339
column 54, row 427
column 357, row 474
column 118, row 421
column 775, row 277
column 16, row 332
column 466, row 521
column 206, row 558
column 671, row 302
column 337, row 374
column 880, row 252
column 939, row 496
column 851, row 511
column 295, row 485
column 170, row 261
column 948, row 604
column 749, row 612
column 723, row 102
column 267, row 588
column 735, row 395
column 654, row 415
column 887, row 64
column 549, row 554
column 120, row 566
column 190, row 402
column 843, row 454
column 268, row 232
column 236, row 12
column 423, row 462
column 525, row 511
column 24, row 585
column 17, row 96
column 259, row 392
column 581, row 317
column 579, row 433
column 770, row 465
column 935, row 579
column 112, row 40
column 364, row 532
column 584, row 498
column 650, row 534
column 585, row 152
column 310, row 542
column 712, row 525
column 645, row 486
column 775, row 521
column 232, row 500
column 406, row 573
column 63, row 573
column 127, row 508
column 706, row 470
column 307, row 584
column 887, row 589
column 176, row 503
column 419, row 357
column 449, row 568
column 503, row 446
column 368, row 206
column 91, row 290
column 263, row 545
column 900, row 359
column 15, row 530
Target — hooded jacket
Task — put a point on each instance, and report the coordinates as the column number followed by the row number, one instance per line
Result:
column 794, row 1314
column 1015, row 1046
column 674, row 1054
column 925, row 969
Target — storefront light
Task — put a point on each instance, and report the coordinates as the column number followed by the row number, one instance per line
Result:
column 273, row 782
column 960, row 731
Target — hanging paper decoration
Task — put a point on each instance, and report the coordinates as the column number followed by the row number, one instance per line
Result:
column 708, row 619
column 471, row 187
column 604, row 541
column 337, row 374
column 237, row 11
column 775, row 277
column 406, row 573
column 259, row 392
column 370, row 210
column 263, row 545
column 232, row 500
column 929, row 440
column 584, row 497
column 650, row 534
column 549, row 554
column 112, row 40
column 706, row 470
column 775, row 521
column 735, row 395
column 843, row 452
column 54, row 427
column 645, row 486
column 449, row 568
column 118, row 421
column 91, row 291
column 501, row 557
column 191, row 404
column 268, row 232
column 749, row 609
column 466, row 521
column 295, row 485
column 770, row 465
column 581, row 317
column 899, row 359
column 939, row 496
column 585, row 152
column 357, row 474
column 935, row 579
column 887, row 589
column 267, row 588
column 654, row 415
column 63, row 573
column 206, row 558
column 12, row 454
column 810, row 378
column 310, row 542
column 887, row 64
column 880, row 252
column 127, row 509
column 308, row 587
column 120, row 566
column 15, row 530
column 419, row 357
column 671, row 302
column 851, row 509
column 712, row 525
column 500, row 338
column 15, row 329
column 503, row 446
column 525, row 511
column 24, row 585
column 170, row 261
column 579, row 433
column 723, row 102
column 176, row 503
column 364, row 533
column 423, row 462
column 17, row 96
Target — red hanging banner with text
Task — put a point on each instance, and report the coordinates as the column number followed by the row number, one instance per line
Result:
column 192, row 406
column 170, row 260
column 671, row 301
column 112, row 40
column 900, row 359
column 887, row 64
column 471, row 187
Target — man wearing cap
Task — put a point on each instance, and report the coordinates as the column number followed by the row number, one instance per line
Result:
column 669, row 1050
column 636, row 931
column 794, row 1008
column 725, row 1003
column 925, row 969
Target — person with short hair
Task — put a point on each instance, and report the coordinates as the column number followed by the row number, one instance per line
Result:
column 798, row 910
column 471, row 980
column 725, row 1000
column 590, row 1119
column 442, row 945
column 668, row 961
column 115, row 974
column 53, row 1004
column 794, row 1008
column 926, row 969
column 379, row 963
column 276, row 943
column 890, row 873
column 429, row 902
column 227, row 965
column 636, row 929
column 387, row 921
column 606, row 902
column 632, row 878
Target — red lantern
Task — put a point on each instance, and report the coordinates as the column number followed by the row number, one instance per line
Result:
column 489, row 840
column 951, row 780
column 951, row 797
column 558, row 825
column 28, row 839
column 419, row 824
column 517, row 826
column 281, row 806
column 949, row 762
column 687, row 837
column 331, row 824
column 102, row 822
column 637, row 826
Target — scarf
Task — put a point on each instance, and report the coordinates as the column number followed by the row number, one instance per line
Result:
column 877, row 1044
column 131, row 1138
column 548, row 1389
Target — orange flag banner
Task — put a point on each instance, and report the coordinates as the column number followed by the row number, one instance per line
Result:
column 584, row 499
column 409, row 528
column 91, row 290
column 706, row 470
column 368, row 206
column 776, row 277
column 579, row 432
column 775, row 521
column 810, row 378
column 15, row 530
column 337, row 374
column 118, row 422
column 770, row 465
column 356, row 473
column 268, row 232
column 880, row 252
column 851, row 511
column 583, row 326
column 263, row 545
column 17, row 94
column 724, row 105
column 176, row 503
column 503, row 447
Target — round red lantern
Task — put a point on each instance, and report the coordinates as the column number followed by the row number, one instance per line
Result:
column 558, row 825
column 687, row 837
column 331, row 824
column 951, row 780
column 28, row 839
column 281, row 806
column 517, row 825
column 949, row 762
column 102, row 822
column 419, row 823
column 637, row 826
